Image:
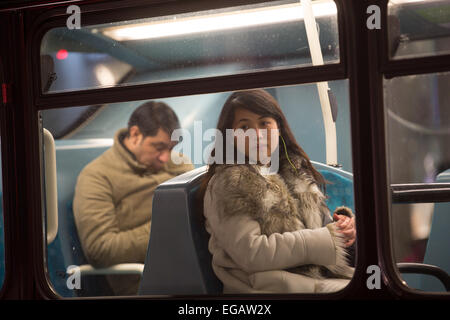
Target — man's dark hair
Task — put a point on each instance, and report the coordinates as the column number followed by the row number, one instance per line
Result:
column 151, row 116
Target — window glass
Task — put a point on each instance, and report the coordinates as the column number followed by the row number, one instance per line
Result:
column 418, row 28
column 201, row 44
column 94, row 138
column 418, row 128
column 418, row 123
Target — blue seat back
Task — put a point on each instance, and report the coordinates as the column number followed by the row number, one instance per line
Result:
column 340, row 190
column 71, row 157
column 437, row 252
column 178, row 261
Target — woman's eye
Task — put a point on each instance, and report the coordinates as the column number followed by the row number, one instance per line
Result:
column 244, row 127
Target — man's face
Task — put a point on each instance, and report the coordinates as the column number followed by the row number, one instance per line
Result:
column 153, row 152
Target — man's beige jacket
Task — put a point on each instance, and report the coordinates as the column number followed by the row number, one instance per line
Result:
column 113, row 209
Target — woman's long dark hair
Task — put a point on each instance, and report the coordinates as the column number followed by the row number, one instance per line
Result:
column 262, row 103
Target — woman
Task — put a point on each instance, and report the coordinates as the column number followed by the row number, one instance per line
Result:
column 271, row 231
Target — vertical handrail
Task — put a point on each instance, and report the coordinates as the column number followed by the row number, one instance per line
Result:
column 50, row 186
column 322, row 87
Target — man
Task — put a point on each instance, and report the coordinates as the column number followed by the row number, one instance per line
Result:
column 113, row 196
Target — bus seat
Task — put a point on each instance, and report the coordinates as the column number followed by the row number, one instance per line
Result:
column 92, row 285
column 436, row 253
column 178, row 261
column 71, row 157
column 340, row 190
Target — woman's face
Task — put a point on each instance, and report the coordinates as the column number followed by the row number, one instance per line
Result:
column 260, row 134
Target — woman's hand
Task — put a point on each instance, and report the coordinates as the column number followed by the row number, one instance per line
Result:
column 346, row 226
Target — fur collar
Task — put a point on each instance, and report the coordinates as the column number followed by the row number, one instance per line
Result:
column 281, row 202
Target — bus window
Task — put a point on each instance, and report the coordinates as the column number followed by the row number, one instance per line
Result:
column 417, row 110
column 197, row 114
column 418, row 28
column 228, row 41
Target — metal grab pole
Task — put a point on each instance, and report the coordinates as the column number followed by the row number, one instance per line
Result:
column 322, row 87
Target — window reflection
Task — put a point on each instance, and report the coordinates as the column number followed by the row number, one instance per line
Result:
column 418, row 28
column 195, row 45
column 417, row 111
